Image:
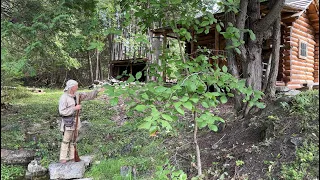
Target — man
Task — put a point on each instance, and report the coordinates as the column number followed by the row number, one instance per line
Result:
column 68, row 106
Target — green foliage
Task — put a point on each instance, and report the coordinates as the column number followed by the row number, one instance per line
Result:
column 11, row 172
column 306, row 165
column 108, row 169
column 162, row 104
column 239, row 163
column 167, row 171
column 306, row 103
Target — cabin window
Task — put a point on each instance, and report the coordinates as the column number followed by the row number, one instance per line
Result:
column 303, row 50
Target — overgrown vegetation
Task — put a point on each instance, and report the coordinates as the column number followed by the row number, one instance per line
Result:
column 32, row 123
column 128, row 146
column 306, row 164
column 11, row 172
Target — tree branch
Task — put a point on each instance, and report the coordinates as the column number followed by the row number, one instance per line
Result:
column 240, row 24
column 270, row 18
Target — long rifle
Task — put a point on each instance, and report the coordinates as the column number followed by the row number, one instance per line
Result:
column 76, row 156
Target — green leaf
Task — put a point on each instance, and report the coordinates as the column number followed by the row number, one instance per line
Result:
column 160, row 89
column 230, row 94
column 260, row 105
column 174, row 98
column 114, row 101
column 213, row 127
column 194, row 99
column 204, row 23
column 224, row 69
column 153, row 129
column 140, row 107
column 155, row 113
column 223, row 99
column 250, row 104
column 252, row 35
column 166, row 117
column 184, row 98
column 145, row 125
column 237, row 50
column 145, row 96
column 218, row 27
column 181, row 111
column 177, row 104
column 205, row 104
column 202, row 124
column 188, row 105
column 138, row 75
column 131, row 78
column 166, row 124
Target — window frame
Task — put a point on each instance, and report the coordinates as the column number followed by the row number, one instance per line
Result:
column 300, row 48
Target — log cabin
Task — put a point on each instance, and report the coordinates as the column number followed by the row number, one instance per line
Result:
column 299, row 53
column 300, row 36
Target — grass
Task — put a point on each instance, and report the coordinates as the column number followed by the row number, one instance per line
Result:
column 112, row 145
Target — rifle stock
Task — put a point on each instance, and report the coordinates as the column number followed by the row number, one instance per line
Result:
column 76, row 156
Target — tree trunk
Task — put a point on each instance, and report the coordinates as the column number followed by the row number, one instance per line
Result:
column 196, row 144
column 97, row 63
column 253, row 69
column 90, row 66
column 271, row 85
column 232, row 64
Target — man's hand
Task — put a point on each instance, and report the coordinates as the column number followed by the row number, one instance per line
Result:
column 77, row 107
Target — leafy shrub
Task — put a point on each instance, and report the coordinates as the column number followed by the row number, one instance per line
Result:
column 11, row 172
column 307, row 103
column 306, row 165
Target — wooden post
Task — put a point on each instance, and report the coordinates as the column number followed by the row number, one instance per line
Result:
column 164, row 62
column 216, row 45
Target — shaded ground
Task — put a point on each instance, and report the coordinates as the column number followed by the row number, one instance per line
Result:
column 259, row 144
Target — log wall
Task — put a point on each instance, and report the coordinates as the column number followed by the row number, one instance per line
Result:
column 316, row 60
column 301, row 70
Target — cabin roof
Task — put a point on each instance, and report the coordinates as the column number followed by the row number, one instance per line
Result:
column 298, row 4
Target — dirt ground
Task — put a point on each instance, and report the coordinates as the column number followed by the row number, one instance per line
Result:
column 259, row 143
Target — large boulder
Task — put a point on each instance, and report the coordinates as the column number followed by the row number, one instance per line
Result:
column 17, row 157
column 69, row 170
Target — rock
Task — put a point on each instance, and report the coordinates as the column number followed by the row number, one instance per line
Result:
column 21, row 157
column 9, row 127
column 128, row 171
column 297, row 141
column 282, row 89
column 69, row 170
column 34, row 170
column 87, row 160
column 292, row 92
